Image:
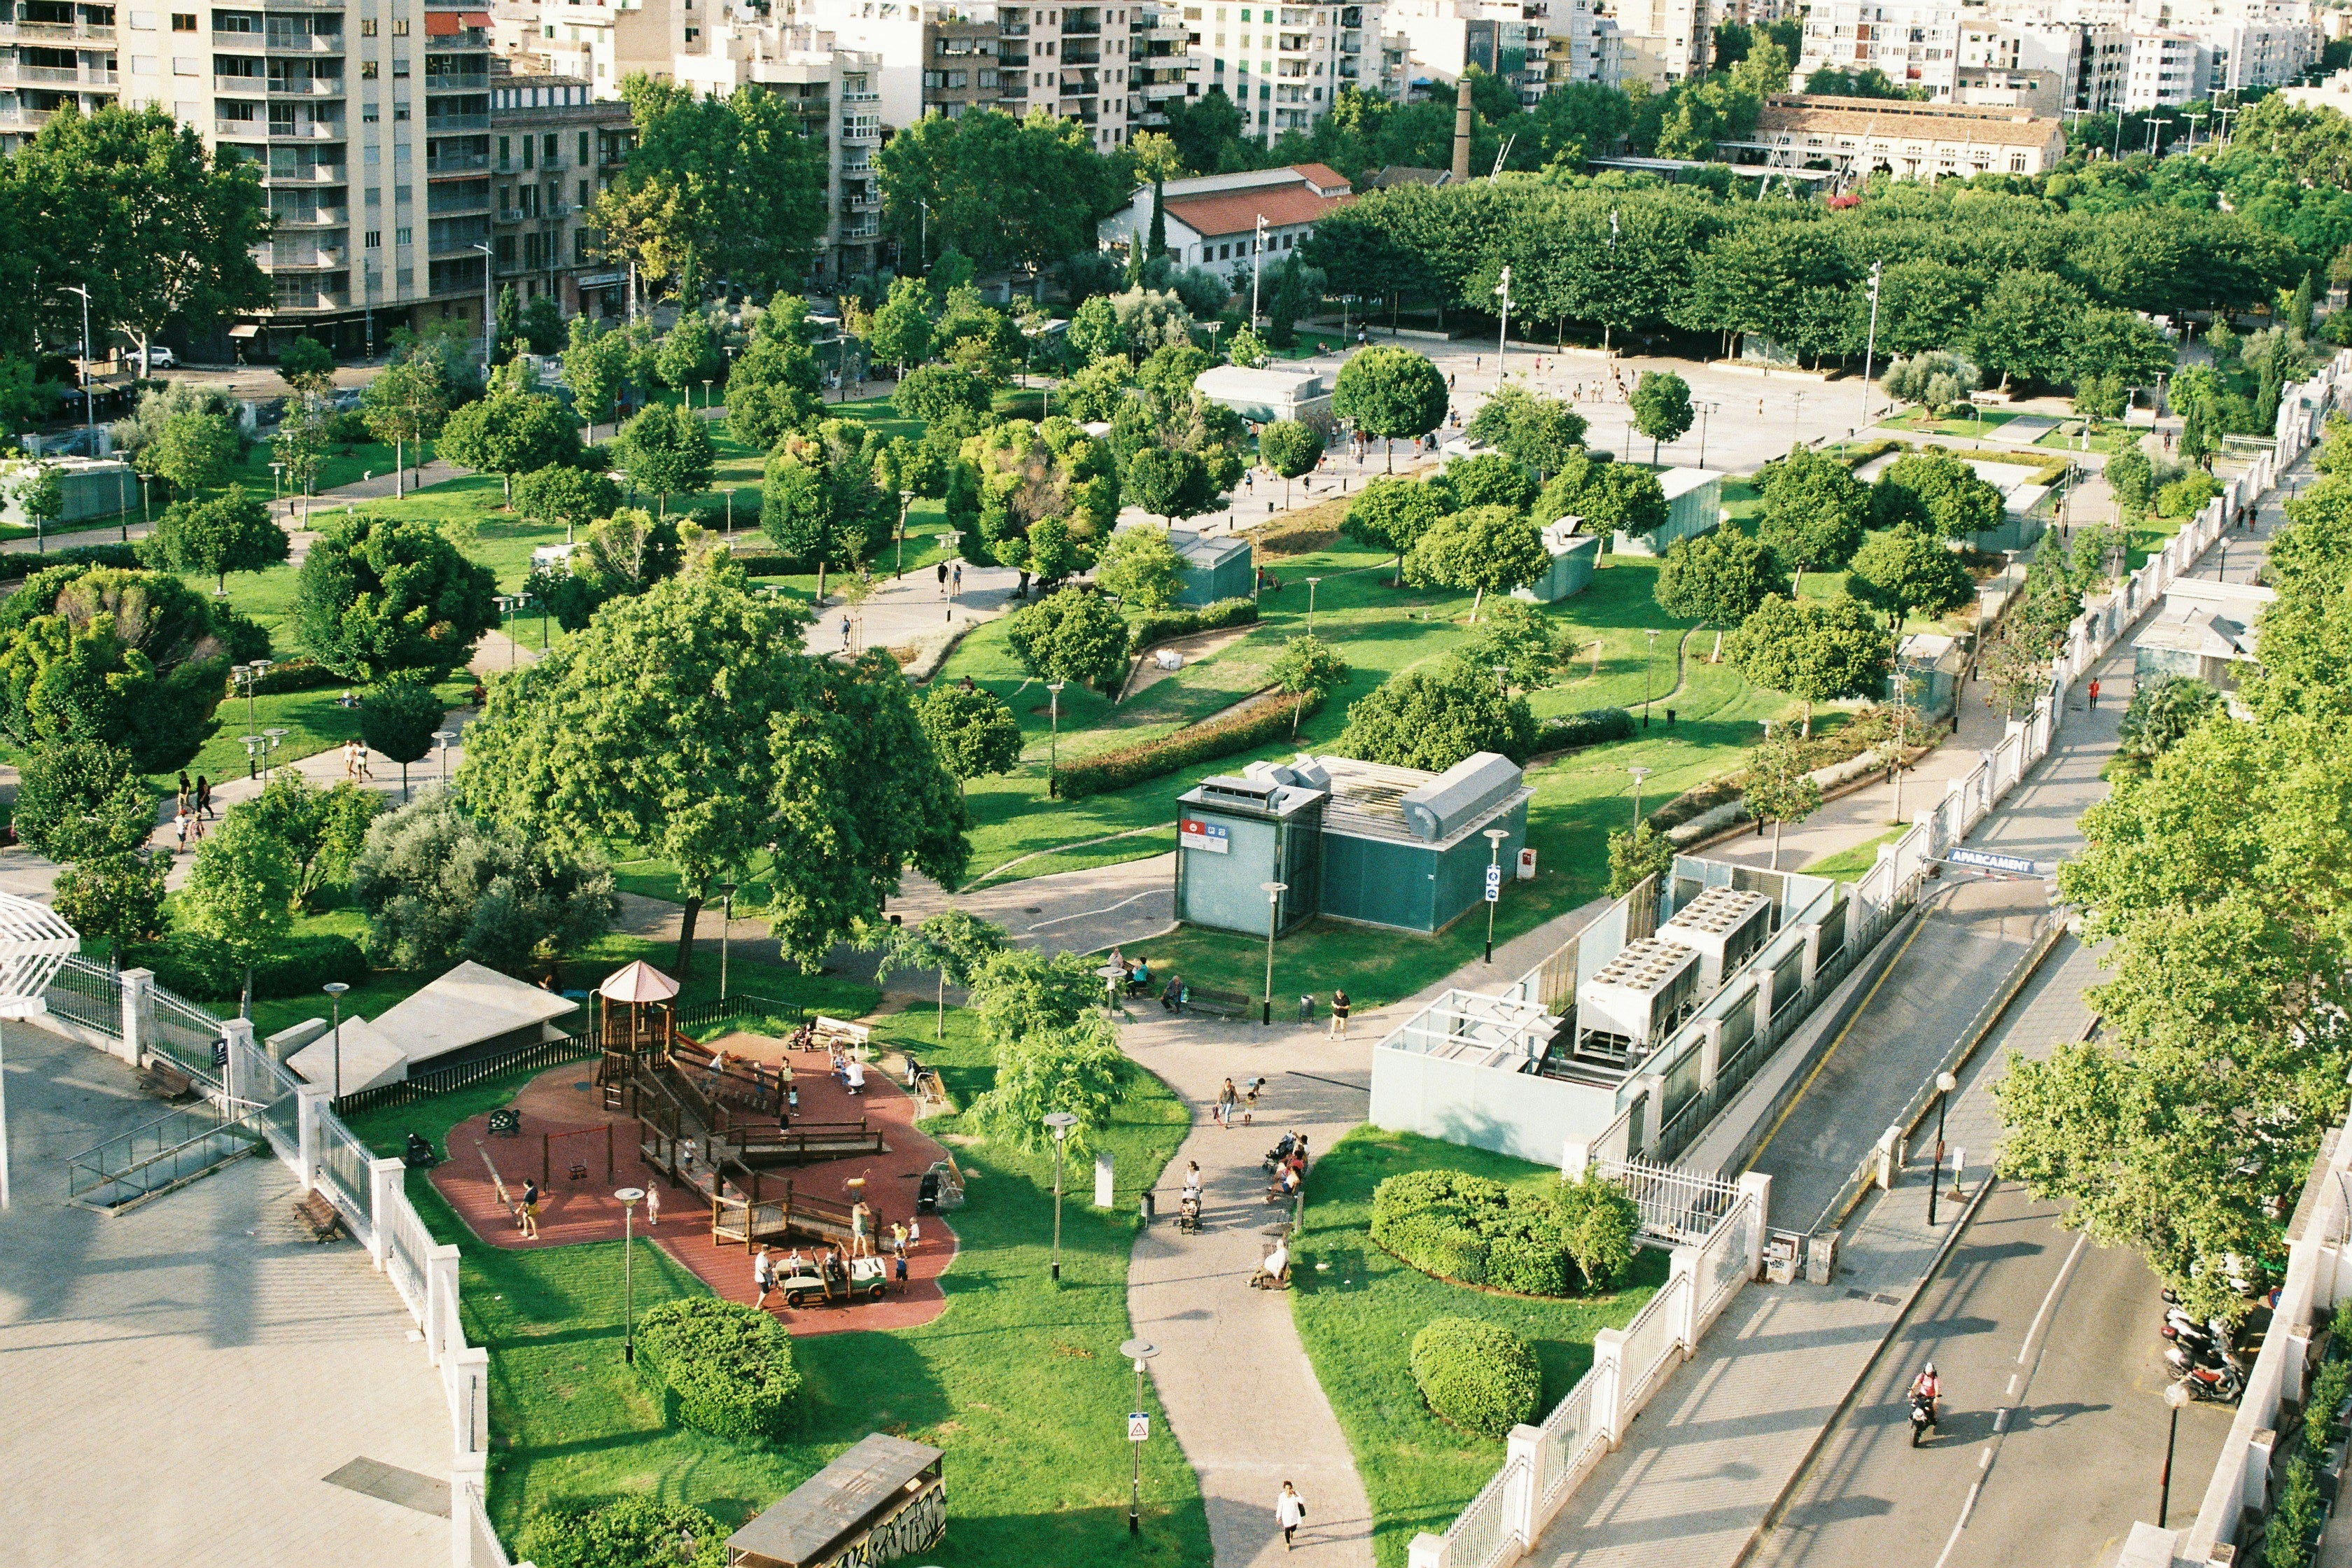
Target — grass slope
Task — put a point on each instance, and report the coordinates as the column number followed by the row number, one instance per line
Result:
column 1357, row 1308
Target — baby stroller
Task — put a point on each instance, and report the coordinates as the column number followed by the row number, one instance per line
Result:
column 1188, row 1213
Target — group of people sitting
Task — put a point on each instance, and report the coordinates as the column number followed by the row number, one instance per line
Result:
column 849, row 1072
column 1288, row 1162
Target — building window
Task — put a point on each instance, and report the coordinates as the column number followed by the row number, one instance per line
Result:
column 367, row 70
column 367, row 28
column 400, row 27
column 374, row 238
column 370, row 113
column 183, row 21
column 403, row 237
column 399, row 113
column 584, row 158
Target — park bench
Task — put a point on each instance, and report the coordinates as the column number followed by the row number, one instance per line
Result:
column 831, row 1032
column 318, row 1213
column 161, row 1077
column 1224, row 1003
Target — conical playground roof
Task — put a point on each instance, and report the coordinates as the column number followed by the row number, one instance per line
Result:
column 640, row 982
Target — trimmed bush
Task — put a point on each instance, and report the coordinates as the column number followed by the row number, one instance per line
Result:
column 729, row 1367
column 1480, row 1376
column 305, row 963
column 1160, row 625
column 1593, row 727
column 291, row 675
column 125, row 556
column 1575, row 1237
column 632, row 1532
column 1244, row 729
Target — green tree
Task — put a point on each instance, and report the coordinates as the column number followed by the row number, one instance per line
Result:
column 1813, row 511
column 438, row 887
column 1718, row 580
column 2160, row 714
column 1098, row 391
column 1391, row 393
column 694, row 692
column 1937, row 492
column 41, row 493
column 1290, row 449
column 304, row 434
column 378, row 596
column 1779, row 788
column 820, row 499
column 322, row 829
column 1487, row 549
column 1431, row 720
column 952, row 944
column 94, row 653
column 973, row 731
column 1171, row 482
column 1539, row 433
column 2131, row 478
column 507, row 325
column 240, row 892
column 774, row 389
column 1070, row 635
column 399, row 718
column 572, row 497
column 406, row 405
column 509, row 434
column 901, row 334
column 80, row 800
column 1076, row 1069
column 628, row 552
column 1814, row 652
column 192, row 452
column 2026, row 326
column 1490, row 478
column 1308, row 666
column 1643, row 852
column 942, row 393
column 118, row 897
column 231, row 533
column 667, row 449
column 1093, row 332
column 689, row 355
column 1392, row 514
column 1902, row 571
column 1518, row 638
column 1139, row 567
column 1662, row 407
column 542, row 324
column 305, row 364
column 1002, row 191
column 731, row 183
column 596, row 369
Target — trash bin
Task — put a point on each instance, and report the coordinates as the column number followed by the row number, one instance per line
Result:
column 1147, row 1203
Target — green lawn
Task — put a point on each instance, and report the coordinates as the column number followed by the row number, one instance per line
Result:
column 1849, row 864
column 1976, row 425
column 1019, row 1381
column 1357, row 1308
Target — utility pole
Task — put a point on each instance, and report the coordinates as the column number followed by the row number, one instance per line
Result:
column 88, row 406
column 1870, row 346
column 1503, row 339
column 1257, row 250
column 489, row 310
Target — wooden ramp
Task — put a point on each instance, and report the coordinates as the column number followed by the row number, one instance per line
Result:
column 747, row 1222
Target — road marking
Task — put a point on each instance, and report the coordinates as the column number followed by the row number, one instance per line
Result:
column 2010, row 1391
column 1984, row 1457
column 2051, row 1300
column 1082, row 914
column 1917, row 926
column 1959, row 1525
column 1999, row 1424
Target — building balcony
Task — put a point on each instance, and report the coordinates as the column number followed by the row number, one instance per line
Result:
column 1082, row 56
column 322, row 300
column 457, row 163
column 287, row 130
column 442, row 200
column 447, row 125
column 57, row 76
column 21, row 119
column 1092, row 29
column 1157, row 92
column 306, row 86
column 289, row 258
column 52, row 32
column 1169, row 33
column 1014, row 30
column 859, row 231
column 240, row 130
column 848, row 98
column 457, row 81
column 861, row 131
column 862, row 202
column 312, row 217
column 510, row 215
column 281, row 43
column 308, row 174
column 241, row 86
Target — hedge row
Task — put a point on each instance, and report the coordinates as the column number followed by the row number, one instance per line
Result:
column 291, row 675
column 1160, row 625
column 1243, row 729
column 1593, row 727
column 298, row 969
column 1576, row 1237
column 19, row 566
column 1480, row 1376
column 728, row 1366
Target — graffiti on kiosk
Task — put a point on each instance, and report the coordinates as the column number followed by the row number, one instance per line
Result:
column 915, row 1528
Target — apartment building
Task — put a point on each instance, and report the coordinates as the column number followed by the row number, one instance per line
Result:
column 1283, row 66
column 1916, row 43
column 1666, row 41
column 551, row 148
column 1579, row 43
column 1911, row 141
column 1508, row 39
column 2167, row 69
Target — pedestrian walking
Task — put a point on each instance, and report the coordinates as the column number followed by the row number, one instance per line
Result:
column 653, row 1206
column 845, row 633
column 1227, row 1098
column 180, row 826
column 360, row 749
column 203, row 798
column 914, row 1234
column 2095, row 691
column 764, row 1278
column 187, row 792
column 1289, row 1513
column 898, row 1242
column 860, row 1245
column 958, row 579
column 943, row 579
column 527, row 1214
column 1339, row 1015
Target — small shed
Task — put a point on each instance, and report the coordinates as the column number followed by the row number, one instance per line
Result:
column 883, row 1500
column 1236, row 833
column 1268, row 394
column 472, row 1012
column 1574, row 556
column 1407, row 849
column 369, row 1057
column 1214, row 568
column 1693, row 505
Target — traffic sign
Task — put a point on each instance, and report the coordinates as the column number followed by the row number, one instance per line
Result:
column 1494, row 884
column 1991, row 862
column 1138, row 1426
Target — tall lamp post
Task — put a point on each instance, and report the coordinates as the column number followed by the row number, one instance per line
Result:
column 1494, row 837
column 1945, row 1084
column 88, row 403
column 1273, row 891
column 1649, row 654
column 2176, row 1395
column 334, row 990
column 1639, row 774
column 1061, row 1121
column 441, row 739
column 1054, row 747
column 630, row 1197
column 725, row 922
column 489, row 310
column 1139, row 1430
column 1503, row 338
column 1703, row 410
column 1870, row 344
column 1310, row 604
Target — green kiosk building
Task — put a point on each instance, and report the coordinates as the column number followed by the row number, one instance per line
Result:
column 1355, row 841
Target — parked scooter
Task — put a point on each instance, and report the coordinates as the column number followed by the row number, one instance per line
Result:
column 2220, row 1384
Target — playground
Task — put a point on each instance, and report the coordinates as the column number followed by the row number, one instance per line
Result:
column 566, row 1124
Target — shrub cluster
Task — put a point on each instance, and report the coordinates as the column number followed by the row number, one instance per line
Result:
column 291, row 675
column 729, row 1367
column 198, row 971
column 624, row 1533
column 124, row 556
column 1480, row 1376
column 1593, row 727
column 1159, row 625
column 1244, row 728
column 1576, row 1237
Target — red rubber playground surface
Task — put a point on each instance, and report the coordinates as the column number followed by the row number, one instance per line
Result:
column 564, row 1098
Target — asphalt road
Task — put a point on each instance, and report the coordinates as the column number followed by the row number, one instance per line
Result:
column 2054, row 1416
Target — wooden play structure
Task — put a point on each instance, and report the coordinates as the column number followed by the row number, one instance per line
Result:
column 636, row 1016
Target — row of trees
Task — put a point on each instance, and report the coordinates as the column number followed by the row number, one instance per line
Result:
column 2186, row 1129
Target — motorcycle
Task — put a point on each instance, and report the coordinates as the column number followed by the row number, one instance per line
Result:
column 2219, row 1385
column 1923, row 1416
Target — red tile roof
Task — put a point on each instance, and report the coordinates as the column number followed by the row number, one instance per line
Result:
column 1323, row 176
column 1224, row 214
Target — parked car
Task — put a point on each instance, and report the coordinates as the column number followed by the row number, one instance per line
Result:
column 160, row 358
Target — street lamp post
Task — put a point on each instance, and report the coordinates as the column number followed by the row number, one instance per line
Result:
column 1502, row 686
column 1061, row 1121
column 1257, row 250
column 725, row 922
column 1639, row 774
column 1649, row 654
column 441, row 743
column 335, row 989
column 1503, row 338
column 272, row 739
column 630, row 1197
column 1310, row 604
column 89, row 398
column 1945, row 1084
column 1703, row 410
column 1870, row 344
column 1273, row 891
column 1054, row 746
column 1138, row 1429
column 489, row 310
column 1494, row 837
column 2176, row 1395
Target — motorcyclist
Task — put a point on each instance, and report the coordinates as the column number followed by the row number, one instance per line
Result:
column 1927, row 1389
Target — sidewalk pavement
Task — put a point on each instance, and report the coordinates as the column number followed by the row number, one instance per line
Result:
column 1695, row 1479
column 904, row 609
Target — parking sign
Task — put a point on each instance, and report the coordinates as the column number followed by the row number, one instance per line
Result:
column 1494, row 884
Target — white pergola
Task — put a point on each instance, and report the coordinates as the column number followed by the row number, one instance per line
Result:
column 35, row 943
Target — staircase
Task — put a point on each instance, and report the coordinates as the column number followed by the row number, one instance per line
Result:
column 165, row 1154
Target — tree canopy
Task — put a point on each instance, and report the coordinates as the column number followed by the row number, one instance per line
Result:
column 1484, row 548
column 1431, row 720
column 1002, row 191
column 377, row 596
